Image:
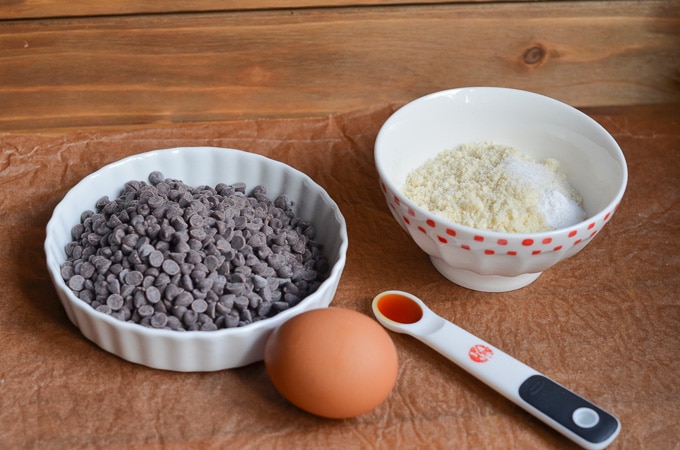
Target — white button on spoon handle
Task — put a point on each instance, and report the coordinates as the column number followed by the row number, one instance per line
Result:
column 570, row 414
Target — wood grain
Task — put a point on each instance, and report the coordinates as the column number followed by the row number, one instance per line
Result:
column 119, row 70
column 23, row 9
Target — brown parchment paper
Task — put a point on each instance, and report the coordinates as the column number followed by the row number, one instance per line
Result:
column 605, row 323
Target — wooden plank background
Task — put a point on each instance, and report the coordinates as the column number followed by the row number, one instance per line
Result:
column 137, row 68
column 59, row 8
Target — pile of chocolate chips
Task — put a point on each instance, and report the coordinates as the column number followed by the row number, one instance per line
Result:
column 167, row 255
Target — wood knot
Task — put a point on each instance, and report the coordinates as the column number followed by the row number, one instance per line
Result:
column 534, row 55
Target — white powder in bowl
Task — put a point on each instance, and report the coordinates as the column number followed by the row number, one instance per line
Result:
column 495, row 187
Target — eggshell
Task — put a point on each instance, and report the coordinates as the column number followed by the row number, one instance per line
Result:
column 332, row 362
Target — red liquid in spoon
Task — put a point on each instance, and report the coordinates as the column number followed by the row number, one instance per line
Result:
column 399, row 308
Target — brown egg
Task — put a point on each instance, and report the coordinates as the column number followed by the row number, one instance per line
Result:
column 332, row 362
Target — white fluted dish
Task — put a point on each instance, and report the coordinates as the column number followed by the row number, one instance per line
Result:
column 194, row 351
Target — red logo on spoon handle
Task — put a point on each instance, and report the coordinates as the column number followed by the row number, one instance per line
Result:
column 480, row 353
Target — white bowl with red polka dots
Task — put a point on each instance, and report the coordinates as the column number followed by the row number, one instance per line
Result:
column 538, row 126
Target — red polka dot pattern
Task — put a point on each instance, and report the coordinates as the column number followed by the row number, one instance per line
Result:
column 446, row 235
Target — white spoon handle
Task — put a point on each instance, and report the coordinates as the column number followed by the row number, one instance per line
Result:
column 560, row 408
column 489, row 364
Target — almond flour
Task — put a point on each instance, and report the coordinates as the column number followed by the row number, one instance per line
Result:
column 495, row 187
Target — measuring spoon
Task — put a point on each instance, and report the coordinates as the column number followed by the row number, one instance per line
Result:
column 570, row 414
